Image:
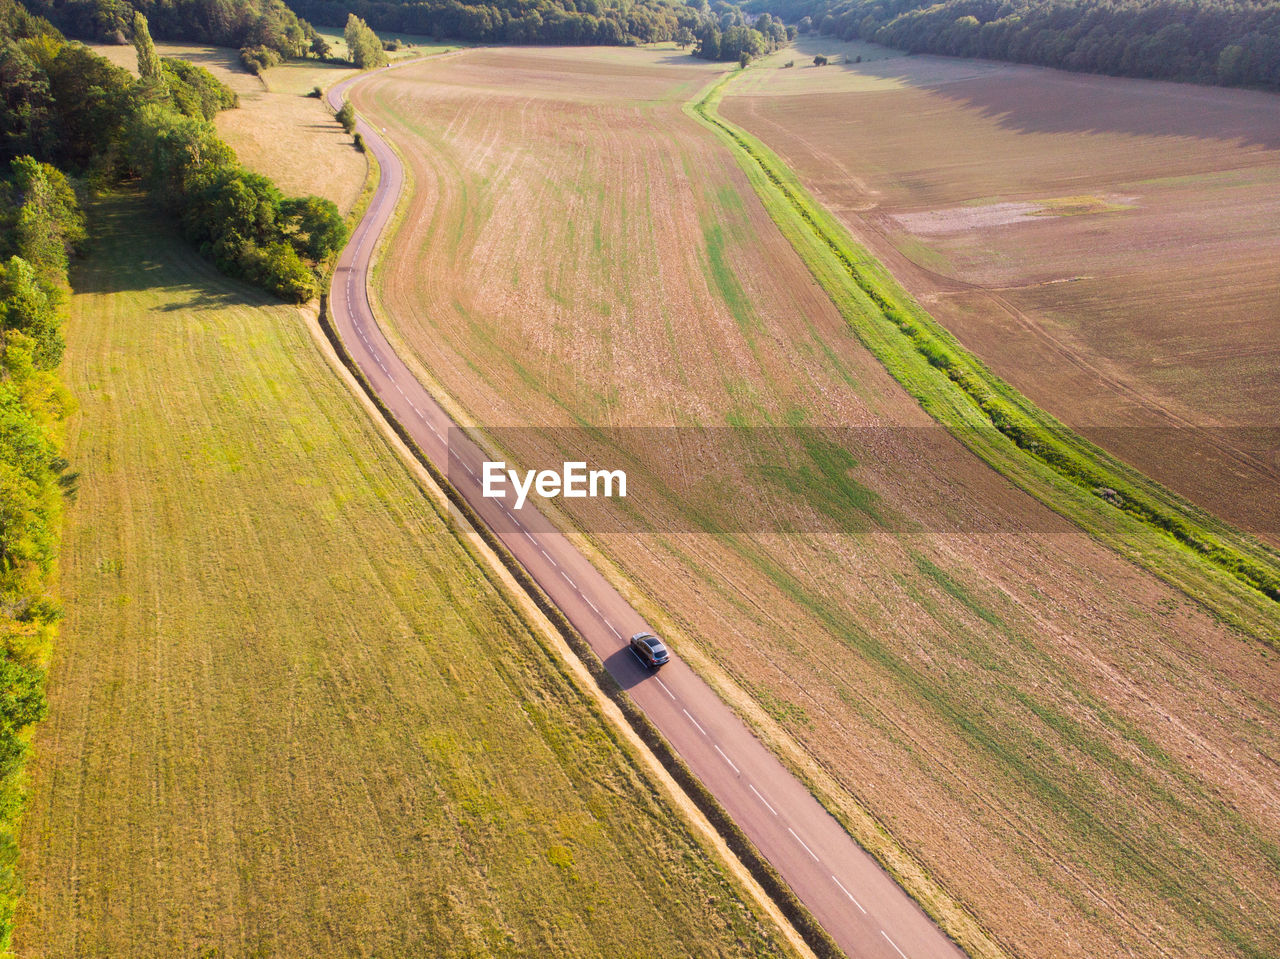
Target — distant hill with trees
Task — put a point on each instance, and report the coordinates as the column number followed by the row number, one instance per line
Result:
column 256, row 25
column 1228, row 42
column 267, row 31
column 719, row 32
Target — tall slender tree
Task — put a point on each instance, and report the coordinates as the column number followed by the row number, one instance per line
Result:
column 149, row 67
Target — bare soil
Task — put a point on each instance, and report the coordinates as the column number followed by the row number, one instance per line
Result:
column 1107, row 246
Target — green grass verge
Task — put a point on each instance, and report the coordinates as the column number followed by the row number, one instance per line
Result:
column 1230, row 572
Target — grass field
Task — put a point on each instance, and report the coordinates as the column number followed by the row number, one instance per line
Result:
column 290, row 714
column 411, row 45
column 1104, row 245
column 278, row 130
column 1018, row 711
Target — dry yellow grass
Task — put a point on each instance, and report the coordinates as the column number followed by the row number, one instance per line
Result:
column 277, row 130
column 290, row 713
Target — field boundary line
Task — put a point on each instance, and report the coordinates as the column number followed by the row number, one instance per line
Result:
column 1236, row 576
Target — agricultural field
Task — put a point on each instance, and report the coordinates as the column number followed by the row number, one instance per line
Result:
column 1107, row 246
column 290, row 712
column 278, row 130
column 410, row 44
column 986, row 696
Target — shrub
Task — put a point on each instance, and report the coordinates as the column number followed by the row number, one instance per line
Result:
column 278, row 269
column 259, row 58
column 196, row 92
column 347, row 117
column 359, row 141
column 789, row 63
column 316, row 92
column 819, row 61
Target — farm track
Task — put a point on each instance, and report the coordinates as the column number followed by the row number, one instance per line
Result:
column 857, row 903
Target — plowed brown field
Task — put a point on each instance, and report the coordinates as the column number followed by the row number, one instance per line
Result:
column 1074, row 750
column 1107, row 246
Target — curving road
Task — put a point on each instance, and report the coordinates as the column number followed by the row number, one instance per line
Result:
column 862, row 908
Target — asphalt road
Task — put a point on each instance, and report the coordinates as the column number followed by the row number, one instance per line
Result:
column 862, row 908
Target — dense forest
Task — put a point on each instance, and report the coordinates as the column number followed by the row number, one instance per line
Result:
column 730, row 36
column 1230, row 42
column 267, row 28
column 64, row 105
column 267, row 31
column 561, row 22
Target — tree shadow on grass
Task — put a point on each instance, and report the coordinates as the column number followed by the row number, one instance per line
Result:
column 135, row 247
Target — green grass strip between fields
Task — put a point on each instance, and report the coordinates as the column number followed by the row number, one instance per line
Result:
column 1232, row 573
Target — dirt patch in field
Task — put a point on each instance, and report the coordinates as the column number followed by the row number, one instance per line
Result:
column 1107, row 246
column 985, row 216
column 1025, row 712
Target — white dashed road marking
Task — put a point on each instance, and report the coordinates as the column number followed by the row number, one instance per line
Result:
column 568, row 580
column 802, row 843
column 762, row 799
column 894, row 944
column 848, row 893
column 732, row 764
column 694, row 721
column 664, row 687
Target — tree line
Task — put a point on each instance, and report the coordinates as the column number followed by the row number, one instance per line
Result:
column 40, row 226
column 65, row 105
column 720, row 32
column 1228, row 42
column 265, row 31
column 364, row 49
column 40, row 222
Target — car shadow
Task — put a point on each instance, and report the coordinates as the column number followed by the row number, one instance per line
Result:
column 626, row 668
